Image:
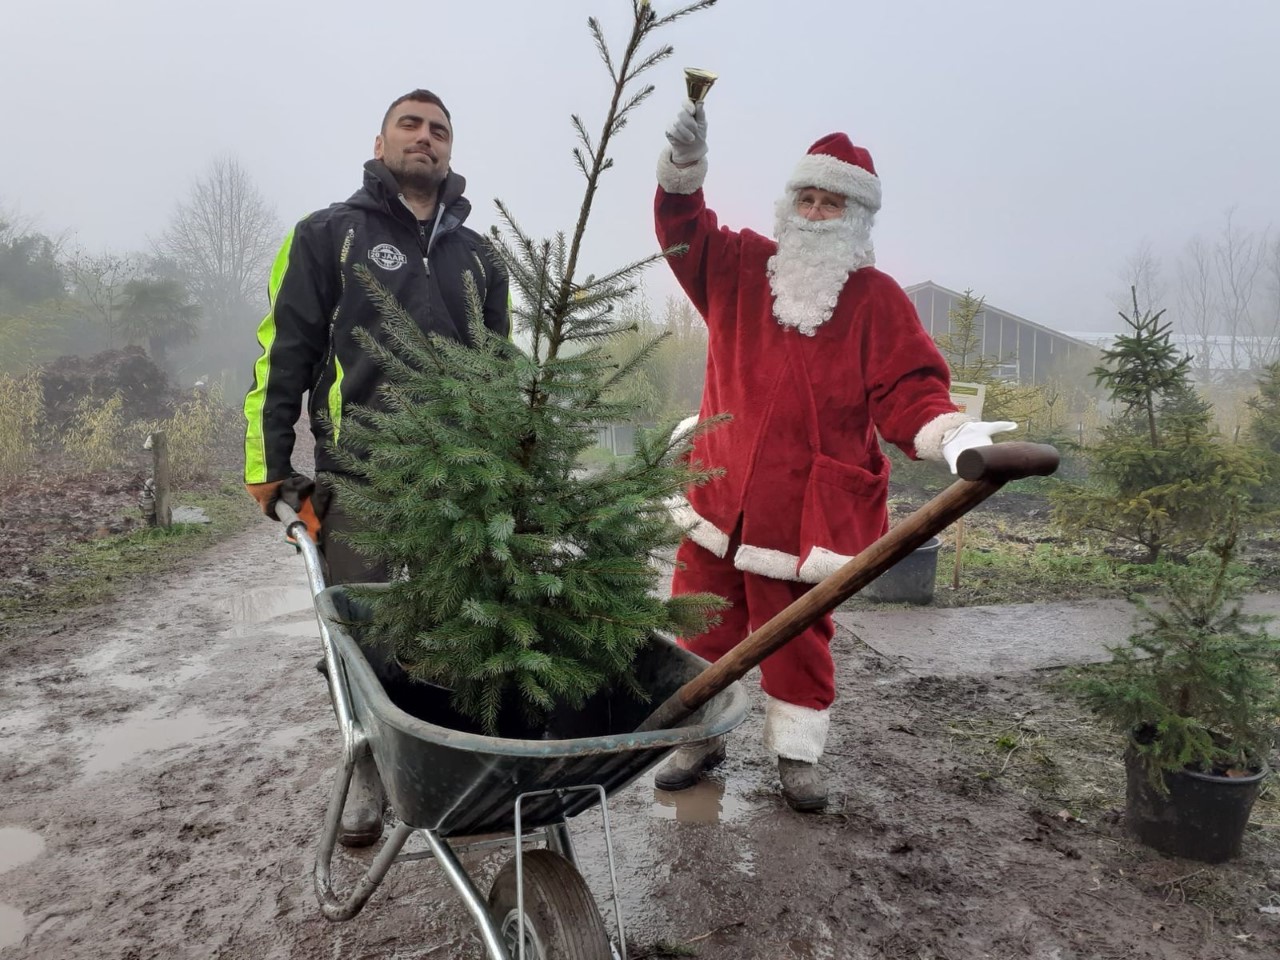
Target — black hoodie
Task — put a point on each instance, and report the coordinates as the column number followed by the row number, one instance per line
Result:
column 317, row 302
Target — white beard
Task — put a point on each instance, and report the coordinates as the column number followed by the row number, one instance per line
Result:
column 813, row 262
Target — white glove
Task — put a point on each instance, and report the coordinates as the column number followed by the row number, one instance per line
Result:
column 968, row 435
column 688, row 135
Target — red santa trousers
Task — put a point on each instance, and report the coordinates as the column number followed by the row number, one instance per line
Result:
column 802, row 672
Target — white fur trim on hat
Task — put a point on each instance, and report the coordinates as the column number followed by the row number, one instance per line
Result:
column 684, row 180
column 928, row 441
column 828, row 173
column 793, row 731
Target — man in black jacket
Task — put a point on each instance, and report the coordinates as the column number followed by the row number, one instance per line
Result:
column 406, row 225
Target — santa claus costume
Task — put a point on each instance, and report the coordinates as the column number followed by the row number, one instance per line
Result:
column 811, row 351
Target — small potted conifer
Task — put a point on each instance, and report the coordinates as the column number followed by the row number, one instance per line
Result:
column 1196, row 692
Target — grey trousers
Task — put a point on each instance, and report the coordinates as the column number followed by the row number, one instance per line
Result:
column 344, row 565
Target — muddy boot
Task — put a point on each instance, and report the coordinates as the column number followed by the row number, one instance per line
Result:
column 362, row 816
column 688, row 764
column 803, row 785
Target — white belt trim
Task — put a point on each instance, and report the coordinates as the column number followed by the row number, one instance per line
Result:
column 776, row 564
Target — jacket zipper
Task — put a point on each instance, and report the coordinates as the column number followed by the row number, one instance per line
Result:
column 425, row 241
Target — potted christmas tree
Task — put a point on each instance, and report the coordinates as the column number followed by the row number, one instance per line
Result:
column 1196, row 690
column 527, row 584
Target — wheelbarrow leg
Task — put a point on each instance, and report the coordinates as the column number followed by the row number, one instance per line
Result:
column 475, row 903
column 332, row 906
column 558, row 840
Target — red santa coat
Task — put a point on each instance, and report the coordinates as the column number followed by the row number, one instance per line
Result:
column 803, row 471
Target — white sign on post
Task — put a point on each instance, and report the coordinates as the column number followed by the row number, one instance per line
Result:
column 969, row 397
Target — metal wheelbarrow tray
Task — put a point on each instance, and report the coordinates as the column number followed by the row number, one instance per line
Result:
column 458, row 782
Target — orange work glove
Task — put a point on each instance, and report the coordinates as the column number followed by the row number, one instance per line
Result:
column 266, row 494
column 296, row 492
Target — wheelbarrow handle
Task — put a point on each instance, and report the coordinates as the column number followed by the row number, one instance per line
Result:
column 983, row 471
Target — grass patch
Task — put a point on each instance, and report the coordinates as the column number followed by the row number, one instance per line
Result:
column 1068, row 762
column 1038, row 744
column 92, row 571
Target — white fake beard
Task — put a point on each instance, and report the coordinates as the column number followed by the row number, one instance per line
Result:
column 813, row 262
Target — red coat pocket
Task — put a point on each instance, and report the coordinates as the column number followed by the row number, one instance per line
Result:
column 845, row 508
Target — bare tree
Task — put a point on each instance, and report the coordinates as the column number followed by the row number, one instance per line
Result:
column 222, row 238
column 99, row 281
column 687, row 349
column 1142, row 272
column 1238, row 256
column 1266, row 319
column 1198, row 313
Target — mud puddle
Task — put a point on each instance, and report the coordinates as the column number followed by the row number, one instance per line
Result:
column 17, row 847
column 151, row 730
column 711, row 801
column 266, row 603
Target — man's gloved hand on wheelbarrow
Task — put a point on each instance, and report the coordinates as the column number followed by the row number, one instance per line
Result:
column 296, row 493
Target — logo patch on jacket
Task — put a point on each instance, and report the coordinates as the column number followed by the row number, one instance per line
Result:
column 387, row 257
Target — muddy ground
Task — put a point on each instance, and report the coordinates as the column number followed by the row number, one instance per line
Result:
column 45, row 511
column 165, row 761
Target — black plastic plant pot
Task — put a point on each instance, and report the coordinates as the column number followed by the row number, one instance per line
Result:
column 910, row 580
column 1203, row 816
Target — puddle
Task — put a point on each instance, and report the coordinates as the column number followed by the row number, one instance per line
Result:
column 267, row 603
column 145, row 732
column 18, row 846
column 13, row 926
column 705, row 802
column 189, row 515
column 144, row 675
column 96, row 663
column 299, row 628
column 19, row 722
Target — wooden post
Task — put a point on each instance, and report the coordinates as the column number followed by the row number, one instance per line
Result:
column 160, row 474
column 955, row 569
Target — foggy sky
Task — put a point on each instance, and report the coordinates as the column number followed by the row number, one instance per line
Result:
column 1025, row 149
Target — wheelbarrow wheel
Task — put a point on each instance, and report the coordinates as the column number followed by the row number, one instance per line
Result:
column 561, row 921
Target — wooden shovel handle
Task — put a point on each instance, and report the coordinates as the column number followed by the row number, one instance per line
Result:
column 984, row 470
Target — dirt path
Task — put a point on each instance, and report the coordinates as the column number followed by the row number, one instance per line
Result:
column 164, row 765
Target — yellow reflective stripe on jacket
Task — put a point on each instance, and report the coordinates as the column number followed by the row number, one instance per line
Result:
column 335, row 399
column 255, row 448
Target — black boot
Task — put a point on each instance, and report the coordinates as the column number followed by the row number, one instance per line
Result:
column 688, row 764
column 362, row 816
column 803, row 786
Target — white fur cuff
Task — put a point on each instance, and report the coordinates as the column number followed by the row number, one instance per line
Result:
column 684, row 180
column 698, row 529
column 686, row 425
column 928, row 441
column 794, row 732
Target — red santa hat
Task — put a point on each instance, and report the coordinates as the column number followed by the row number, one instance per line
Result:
column 835, row 164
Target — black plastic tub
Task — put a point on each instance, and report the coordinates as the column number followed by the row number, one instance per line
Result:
column 1202, row 817
column 910, row 580
column 442, row 774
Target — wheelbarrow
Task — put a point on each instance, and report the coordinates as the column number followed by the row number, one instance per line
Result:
column 459, row 790
column 447, row 783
